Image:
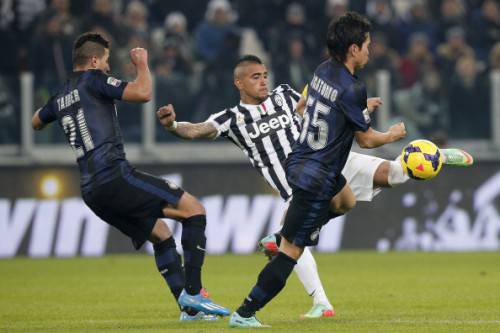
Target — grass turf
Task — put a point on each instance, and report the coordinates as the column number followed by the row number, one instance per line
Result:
column 392, row 292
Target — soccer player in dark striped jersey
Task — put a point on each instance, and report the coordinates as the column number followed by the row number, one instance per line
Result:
column 254, row 126
column 336, row 112
column 132, row 201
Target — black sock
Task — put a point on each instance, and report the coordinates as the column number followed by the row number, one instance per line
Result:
column 193, row 244
column 270, row 282
column 278, row 239
column 169, row 265
column 332, row 215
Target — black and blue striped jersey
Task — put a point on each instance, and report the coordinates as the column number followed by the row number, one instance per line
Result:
column 335, row 109
column 85, row 109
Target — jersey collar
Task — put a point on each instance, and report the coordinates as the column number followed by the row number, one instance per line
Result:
column 262, row 108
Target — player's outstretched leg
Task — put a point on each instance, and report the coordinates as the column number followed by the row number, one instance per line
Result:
column 193, row 243
column 307, row 272
column 191, row 213
column 238, row 321
column 168, row 262
column 167, row 259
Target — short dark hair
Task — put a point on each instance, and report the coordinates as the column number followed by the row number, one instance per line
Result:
column 88, row 45
column 248, row 58
column 350, row 28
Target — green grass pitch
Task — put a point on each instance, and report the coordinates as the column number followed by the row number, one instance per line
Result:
column 391, row 292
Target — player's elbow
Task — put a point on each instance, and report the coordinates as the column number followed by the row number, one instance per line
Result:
column 364, row 142
column 145, row 95
column 36, row 124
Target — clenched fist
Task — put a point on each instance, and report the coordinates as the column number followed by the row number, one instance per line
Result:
column 397, row 131
column 139, row 56
column 166, row 115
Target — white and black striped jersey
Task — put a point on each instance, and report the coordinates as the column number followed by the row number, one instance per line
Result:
column 264, row 132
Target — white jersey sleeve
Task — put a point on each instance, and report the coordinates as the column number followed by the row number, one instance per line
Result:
column 221, row 121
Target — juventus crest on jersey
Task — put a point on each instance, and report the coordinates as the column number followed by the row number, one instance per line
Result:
column 264, row 132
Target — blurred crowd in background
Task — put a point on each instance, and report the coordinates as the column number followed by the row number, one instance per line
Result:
column 439, row 53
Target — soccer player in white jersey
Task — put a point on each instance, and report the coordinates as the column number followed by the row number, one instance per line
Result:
column 264, row 125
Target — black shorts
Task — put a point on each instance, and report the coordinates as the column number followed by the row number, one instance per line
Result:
column 133, row 202
column 306, row 215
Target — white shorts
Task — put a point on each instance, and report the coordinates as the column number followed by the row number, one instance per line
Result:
column 359, row 171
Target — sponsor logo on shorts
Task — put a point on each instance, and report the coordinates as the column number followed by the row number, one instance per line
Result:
column 315, row 235
column 173, row 186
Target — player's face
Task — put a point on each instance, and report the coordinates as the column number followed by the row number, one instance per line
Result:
column 253, row 82
column 363, row 54
column 102, row 63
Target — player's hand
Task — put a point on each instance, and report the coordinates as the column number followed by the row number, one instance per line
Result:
column 373, row 103
column 397, row 131
column 139, row 56
column 166, row 115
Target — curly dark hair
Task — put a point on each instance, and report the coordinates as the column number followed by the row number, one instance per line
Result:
column 350, row 28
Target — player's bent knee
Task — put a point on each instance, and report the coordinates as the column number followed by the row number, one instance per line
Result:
column 290, row 249
column 381, row 176
column 189, row 206
column 160, row 232
column 348, row 205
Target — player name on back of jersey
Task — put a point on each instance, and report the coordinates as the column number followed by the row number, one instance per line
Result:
column 68, row 100
column 324, row 89
column 268, row 125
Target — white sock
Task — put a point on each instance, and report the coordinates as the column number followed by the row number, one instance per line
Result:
column 396, row 175
column 307, row 272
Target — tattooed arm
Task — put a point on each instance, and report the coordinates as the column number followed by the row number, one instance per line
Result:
column 185, row 130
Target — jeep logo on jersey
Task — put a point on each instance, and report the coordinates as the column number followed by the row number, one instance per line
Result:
column 269, row 125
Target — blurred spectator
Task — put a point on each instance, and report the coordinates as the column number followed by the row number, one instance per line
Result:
column 9, row 114
column 295, row 70
column 17, row 22
column 382, row 57
column 175, row 29
column 217, row 89
column 102, row 17
column 193, row 10
column 69, row 24
column 454, row 48
column 423, row 106
column 52, row 47
column 419, row 21
column 469, row 101
column 294, row 28
column 174, row 81
column 381, row 16
column 136, row 15
column 494, row 59
column 333, row 9
column 451, row 15
column 485, row 28
column 212, row 32
column 172, row 61
column 417, row 61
